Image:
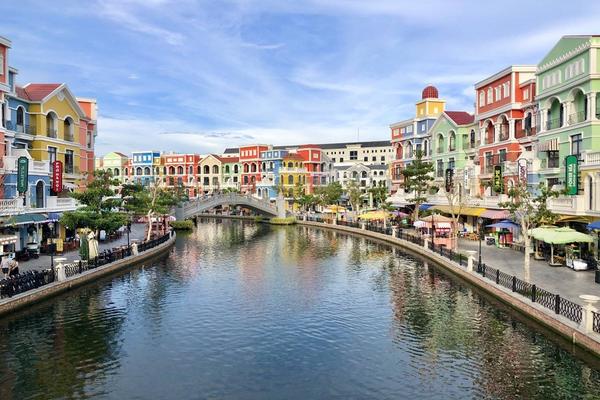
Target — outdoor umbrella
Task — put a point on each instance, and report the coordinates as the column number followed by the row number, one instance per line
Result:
column 594, row 226
column 400, row 214
column 566, row 235
column 374, row 215
column 505, row 224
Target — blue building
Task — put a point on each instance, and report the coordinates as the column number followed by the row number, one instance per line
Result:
column 145, row 166
column 271, row 161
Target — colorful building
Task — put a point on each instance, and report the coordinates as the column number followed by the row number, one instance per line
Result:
column 502, row 102
column 116, row 163
column 181, row 171
column 145, row 167
column 230, row 173
column 251, row 166
column 271, row 163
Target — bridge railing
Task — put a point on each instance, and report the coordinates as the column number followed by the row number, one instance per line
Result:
column 195, row 206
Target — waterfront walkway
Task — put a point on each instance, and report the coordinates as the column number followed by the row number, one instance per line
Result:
column 43, row 262
column 565, row 281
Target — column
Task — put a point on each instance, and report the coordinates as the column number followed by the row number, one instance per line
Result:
column 567, row 112
column 543, row 115
column 482, row 138
column 592, row 106
column 565, row 116
column 496, row 132
column 511, row 128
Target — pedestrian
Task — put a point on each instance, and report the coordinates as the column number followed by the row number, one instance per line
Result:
column 13, row 268
column 4, row 264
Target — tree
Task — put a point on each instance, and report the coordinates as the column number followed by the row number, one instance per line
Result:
column 354, row 194
column 149, row 201
column 332, row 193
column 380, row 195
column 456, row 204
column 418, row 176
column 99, row 210
column 529, row 210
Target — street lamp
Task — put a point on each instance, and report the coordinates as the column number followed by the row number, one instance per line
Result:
column 480, row 223
column 52, row 244
column 128, row 230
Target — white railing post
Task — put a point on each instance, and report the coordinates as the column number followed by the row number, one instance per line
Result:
column 587, row 316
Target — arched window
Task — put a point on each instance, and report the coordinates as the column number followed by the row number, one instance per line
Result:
column 590, row 190
column 20, row 119
column 363, row 174
column 236, row 169
column 199, row 170
column 171, row 170
column 51, row 119
column 245, row 180
column 191, row 170
column 253, row 167
column 147, row 171
column 252, row 179
column 206, row 170
column 290, row 165
column 215, row 169
column 290, row 179
column 180, row 170
column 246, row 168
column 116, row 172
column 68, row 129
column 227, row 169
column 39, row 194
column 126, row 171
column 138, row 171
column 452, row 142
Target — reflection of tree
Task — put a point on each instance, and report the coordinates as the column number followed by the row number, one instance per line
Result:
column 63, row 348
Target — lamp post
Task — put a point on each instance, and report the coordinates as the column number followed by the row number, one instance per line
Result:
column 480, row 223
column 52, row 244
column 128, row 230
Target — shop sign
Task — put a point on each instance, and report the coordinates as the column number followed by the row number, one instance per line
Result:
column 57, row 176
column 572, row 174
column 523, row 171
column 498, row 182
column 22, row 174
column 449, row 179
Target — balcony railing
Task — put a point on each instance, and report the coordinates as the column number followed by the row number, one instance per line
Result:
column 553, row 124
column 292, row 170
column 550, row 163
column 20, row 128
column 50, row 132
column 470, row 145
column 526, row 131
column 503, row 133
column 69, row 138
column 577, row 117
column 35, row 167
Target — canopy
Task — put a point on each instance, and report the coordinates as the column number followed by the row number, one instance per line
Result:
column 562, row 235
column 539, row 232
column 506, row 224
column 26, row 219
column 436, row 218
column 400, row 214
column 495, row 214
column 594, row 226
column 374, row 215
column 472, row 211
column 332, row 209
column 424, row 207
column 420, row 224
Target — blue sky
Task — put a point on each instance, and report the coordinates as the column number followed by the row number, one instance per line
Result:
column 201, row 75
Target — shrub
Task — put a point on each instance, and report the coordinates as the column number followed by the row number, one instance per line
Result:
column 182, row 225
column 283, row 221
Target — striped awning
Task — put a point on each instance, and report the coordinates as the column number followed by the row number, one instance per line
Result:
column 470, row 211
column 549, row 145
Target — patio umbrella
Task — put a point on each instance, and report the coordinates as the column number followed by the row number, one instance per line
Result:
column 566, row 235
column 332, row 209
column 400, row 214
column 506, row 224
column 539, row 232
column 594, row 226
column 374, row 215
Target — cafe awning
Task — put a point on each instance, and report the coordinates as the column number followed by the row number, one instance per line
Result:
column 562, row 235
column 495, row 214
column 549, row 145
column 470, row 211
column 26, row 219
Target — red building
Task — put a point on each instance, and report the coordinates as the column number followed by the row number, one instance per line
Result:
column 251, row 166
column 87, row 137
column 182, row 170
column 504, row 114
column 315, row 166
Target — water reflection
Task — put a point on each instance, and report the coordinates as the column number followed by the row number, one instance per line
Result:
column 244, row 310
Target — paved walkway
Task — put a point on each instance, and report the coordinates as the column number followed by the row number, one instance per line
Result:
column 43, row 262
column 558, row 280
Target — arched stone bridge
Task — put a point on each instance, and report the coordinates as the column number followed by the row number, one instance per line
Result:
column 195, row 207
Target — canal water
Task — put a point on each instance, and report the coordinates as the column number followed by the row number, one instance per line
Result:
column 245, row 311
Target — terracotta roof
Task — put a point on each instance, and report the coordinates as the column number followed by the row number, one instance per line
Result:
column 229, row 160
column 39, row 91
column 430, row 92
column 22, row 93
column 460, row 117
column 293, row 156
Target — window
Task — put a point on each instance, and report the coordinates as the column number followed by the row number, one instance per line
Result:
column 1, row 64
column 502, row 155
column 20, row 117
column 490, row 96
column 481, row 98
column 365, row 159
column 576, row 144
column 374, row 158
column 68, row 129
column 353, row 155
column 69, row 161
column 382, row 158
column 451, row 163
column 51, row 155
column 180, row 170
column 51, row 125
column 90, row 139
column 553, row 159
column 526, row 94
column 497, row 93
column 341, row 159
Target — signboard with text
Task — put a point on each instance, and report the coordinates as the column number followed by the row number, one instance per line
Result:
column 497, row 180
column 572, row 174
column 523, row 170
column 57, row 176
column 449, row 179
column 22, row 174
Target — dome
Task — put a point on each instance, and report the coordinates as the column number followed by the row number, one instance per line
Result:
column 430, row 92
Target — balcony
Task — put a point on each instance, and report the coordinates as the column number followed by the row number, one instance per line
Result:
column 526, row 131
column 35, row 167
column 20, row 128
column 471, row 145
column 52, row 133
column 568, row 205
column 11, row 206
column 503, row 134
column 553, row 124
column 287, row 170
column 577, row 117
column 590, row 159
column 550, row 163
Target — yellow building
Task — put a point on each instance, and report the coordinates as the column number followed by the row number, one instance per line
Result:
column 54, row 116
column 292, row 173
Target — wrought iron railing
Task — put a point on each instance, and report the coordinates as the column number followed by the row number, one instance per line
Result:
column 577, row 117
column 596, row 322
column 553, row 124
column 34, row 279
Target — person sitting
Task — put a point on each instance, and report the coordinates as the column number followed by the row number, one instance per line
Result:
column 13, row 268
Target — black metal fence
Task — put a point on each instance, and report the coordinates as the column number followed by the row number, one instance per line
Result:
column 551, row 301
column 34, row 279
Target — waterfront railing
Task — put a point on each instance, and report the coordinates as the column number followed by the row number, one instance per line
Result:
column 551, row 301
column 34, row 279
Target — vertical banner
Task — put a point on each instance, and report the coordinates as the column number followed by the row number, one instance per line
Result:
column 498, row 182
column 449, row 179
column 57, row 176
column 572, row 174
column 523, row 170
column 22, row 174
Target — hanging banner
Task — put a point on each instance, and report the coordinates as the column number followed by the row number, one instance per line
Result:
column 498, row 182
column 572, row 174
column 523, row 171
column 57, row 176
column 22, row 174
column 449, row 179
